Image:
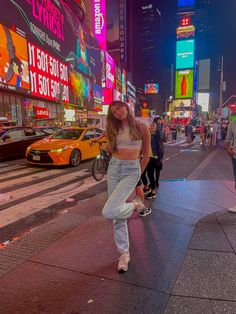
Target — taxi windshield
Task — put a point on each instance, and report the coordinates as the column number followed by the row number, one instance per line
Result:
column 68, row 134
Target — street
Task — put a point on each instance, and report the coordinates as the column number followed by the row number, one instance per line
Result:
column 30, row 195
column 66, row 261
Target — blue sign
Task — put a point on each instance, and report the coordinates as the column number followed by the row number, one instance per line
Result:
column 185, row 54
column 186, row 3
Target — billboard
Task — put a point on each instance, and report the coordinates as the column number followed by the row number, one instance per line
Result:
column 14, row 69
column 186, row 3
column 55, row 27
column 185, row 54
column 116, row 26
column 204, row 70
column 182, row 104
column 151, row 89
column 99, row 22
column 97, row 97
column 80, row 89
column 48, row 76
column 185, row 32
column 203, row 101
column 184, row 84
column 110, row 72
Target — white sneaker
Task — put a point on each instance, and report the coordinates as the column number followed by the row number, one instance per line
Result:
column 232, row 209
column 141, row 206
column 123, row 263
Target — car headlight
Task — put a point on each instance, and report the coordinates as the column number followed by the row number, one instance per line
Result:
column 59, row 150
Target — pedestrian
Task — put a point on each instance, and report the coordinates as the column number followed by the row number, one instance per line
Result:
column 230, row 142
column 189, row 132
column 125, row 139
column 203, row 134
column 154, row 165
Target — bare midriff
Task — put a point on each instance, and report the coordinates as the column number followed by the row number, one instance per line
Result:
column 127, row 154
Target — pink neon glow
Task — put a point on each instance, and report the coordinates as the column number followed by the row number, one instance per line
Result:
column 110, row 72
column 99, row 22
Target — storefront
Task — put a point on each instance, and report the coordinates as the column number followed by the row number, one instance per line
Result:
column 11, row 109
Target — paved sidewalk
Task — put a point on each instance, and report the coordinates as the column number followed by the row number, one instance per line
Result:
column 182, row 258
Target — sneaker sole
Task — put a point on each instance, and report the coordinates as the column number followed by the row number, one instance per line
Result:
column 122, row 271
column 146, row 214
column 150, row 197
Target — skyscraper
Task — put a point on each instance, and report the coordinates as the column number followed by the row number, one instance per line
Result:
column 147, row 35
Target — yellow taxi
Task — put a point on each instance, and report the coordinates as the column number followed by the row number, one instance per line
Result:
column 66, row 147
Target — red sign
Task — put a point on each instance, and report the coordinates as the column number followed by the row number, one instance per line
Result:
column 185, row 21
column 41, row 113
column 48, row 76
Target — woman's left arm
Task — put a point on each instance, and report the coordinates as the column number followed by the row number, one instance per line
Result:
column 146, row 143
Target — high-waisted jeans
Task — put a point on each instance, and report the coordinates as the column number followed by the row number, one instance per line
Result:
column 122, row 177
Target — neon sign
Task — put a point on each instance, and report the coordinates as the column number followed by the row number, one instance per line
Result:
column 99, row 22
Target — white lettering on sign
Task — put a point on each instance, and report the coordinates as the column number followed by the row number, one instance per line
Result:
column 98, row 17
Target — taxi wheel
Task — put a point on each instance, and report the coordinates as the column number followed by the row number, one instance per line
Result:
column 75, row 158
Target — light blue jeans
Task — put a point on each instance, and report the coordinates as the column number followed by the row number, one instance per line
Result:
column 122, row 177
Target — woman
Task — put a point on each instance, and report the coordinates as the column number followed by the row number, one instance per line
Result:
column 125, row 139
column 154, row 164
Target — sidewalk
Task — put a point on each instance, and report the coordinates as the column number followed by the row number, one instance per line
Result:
column 182, row 257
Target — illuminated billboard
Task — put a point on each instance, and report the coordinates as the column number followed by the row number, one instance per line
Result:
column 184, row 84
column 110, row 71
column 80, row 89
column 99, row 22
column 203, row 101
column 151, row 89
column 185, row 54
column 186, row 3
column 182, row 104
column 185, row 32
column 48, row 76
column 14, row 69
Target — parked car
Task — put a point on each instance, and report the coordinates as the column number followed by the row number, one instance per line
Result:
column 68, row 146
column 48, row 129
column 15, row 140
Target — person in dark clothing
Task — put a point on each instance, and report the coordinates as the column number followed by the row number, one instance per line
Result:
column 154, row 165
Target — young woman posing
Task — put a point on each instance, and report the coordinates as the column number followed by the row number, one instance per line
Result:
column 125, row 138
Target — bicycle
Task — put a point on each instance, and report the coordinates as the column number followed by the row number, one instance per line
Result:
column 101, row 162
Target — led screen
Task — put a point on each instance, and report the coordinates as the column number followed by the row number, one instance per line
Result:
column 151, row 89
column 203, row 101
column 48, row 76
column 186, row 3
column 80, row 89
column 184, row 84
column 99, row 22
column 185, row 54
column 14, row 70
column 110, row 72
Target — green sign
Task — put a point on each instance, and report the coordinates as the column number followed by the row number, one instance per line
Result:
column 184, row 84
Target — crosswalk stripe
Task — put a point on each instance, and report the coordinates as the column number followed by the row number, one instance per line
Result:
column 20, row 211
column 48, row 183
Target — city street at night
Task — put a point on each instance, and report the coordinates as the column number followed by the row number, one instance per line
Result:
column 117, row 157
column 65, row 261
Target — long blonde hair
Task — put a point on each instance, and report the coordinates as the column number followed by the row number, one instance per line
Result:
column 114, row 126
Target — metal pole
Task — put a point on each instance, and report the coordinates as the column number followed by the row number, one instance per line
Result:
column 221, row 82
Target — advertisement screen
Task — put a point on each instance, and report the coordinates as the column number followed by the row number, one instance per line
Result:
column 182, row 105
column 99, row 22
column 55, row 27
column 14, row 69
column 151, row 89
column 186, row 3
column 203, row 101
column 185, row 54
column 185, row 32
column 124, row 83
column 97, row 97
column 110, row 72
column 48, row 76
column 184, row 84
column 80, row 89
column 107, row 94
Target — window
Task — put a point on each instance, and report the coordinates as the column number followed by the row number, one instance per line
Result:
column 29, row 132
column 15, row 135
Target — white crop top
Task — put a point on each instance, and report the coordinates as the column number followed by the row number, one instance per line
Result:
column 123, row 140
